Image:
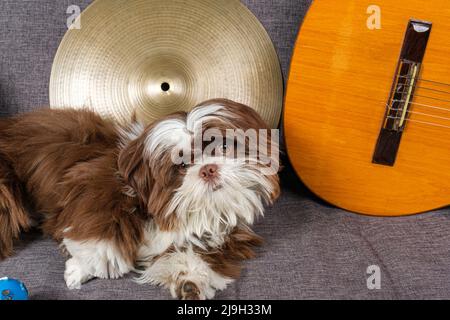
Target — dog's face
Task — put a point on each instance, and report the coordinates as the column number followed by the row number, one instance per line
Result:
column 205, row 172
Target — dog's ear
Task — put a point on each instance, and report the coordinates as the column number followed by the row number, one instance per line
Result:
column 237, row 115
column 135, row 170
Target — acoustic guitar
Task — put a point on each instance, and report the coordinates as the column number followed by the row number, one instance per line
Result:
column 367, row 112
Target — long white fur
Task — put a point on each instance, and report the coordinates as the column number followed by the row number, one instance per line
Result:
column 173, row 269
column 199, row 115
column 177, row 133
column 93, row 259
column 212, row 215
column 165, row 136
column 132, row 132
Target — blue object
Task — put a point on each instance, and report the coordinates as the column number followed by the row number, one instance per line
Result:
column 11, row 289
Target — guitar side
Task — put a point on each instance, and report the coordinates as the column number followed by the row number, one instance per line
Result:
column 341, row 78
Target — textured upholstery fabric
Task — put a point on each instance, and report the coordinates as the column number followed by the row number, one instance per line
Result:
column 312, row 250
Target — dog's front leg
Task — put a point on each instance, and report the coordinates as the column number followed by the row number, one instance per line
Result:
column 185, row 274
column 93, row 259
column 76, row 274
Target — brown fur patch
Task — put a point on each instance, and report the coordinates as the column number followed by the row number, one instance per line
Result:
column 238, row 247
column 13, row 217
column 67, row 161
column 155, row 180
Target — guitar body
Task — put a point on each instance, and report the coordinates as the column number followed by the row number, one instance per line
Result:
column 367, row 113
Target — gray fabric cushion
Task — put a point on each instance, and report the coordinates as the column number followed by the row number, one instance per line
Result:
column 312, row 250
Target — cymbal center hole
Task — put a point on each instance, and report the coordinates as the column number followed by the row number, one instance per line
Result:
column 165, row 86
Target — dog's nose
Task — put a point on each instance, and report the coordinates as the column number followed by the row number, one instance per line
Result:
column 209, row 172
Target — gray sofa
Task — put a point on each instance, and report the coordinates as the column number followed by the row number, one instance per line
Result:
column 312, row 250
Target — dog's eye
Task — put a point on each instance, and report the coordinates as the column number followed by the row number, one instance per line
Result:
column 183, row 166
column 227, row 146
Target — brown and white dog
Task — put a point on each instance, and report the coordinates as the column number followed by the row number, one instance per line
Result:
column 160, row 200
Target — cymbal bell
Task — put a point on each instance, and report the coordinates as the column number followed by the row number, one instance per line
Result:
column 152, row 58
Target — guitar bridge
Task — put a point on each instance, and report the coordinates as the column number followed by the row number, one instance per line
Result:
column 402, row 93
column 401, row 98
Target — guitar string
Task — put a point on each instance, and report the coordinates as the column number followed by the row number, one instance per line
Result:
column 422, row 122
column 424, row 105
column 428, row 89
column 421, row 104
column 418, row 121
column 423, row 114
column 425, row 80
column 434, row 90
column 431, row 98
column 426, row 97
column 420, row 113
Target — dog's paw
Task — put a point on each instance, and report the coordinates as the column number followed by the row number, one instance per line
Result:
column 188, row 290
column 74, row 275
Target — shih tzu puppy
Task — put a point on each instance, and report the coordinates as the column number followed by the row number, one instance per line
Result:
column 173, row 201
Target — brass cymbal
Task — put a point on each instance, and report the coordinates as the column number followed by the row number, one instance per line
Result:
column 152, row 58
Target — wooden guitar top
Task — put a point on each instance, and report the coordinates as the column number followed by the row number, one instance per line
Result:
column 367, row 115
